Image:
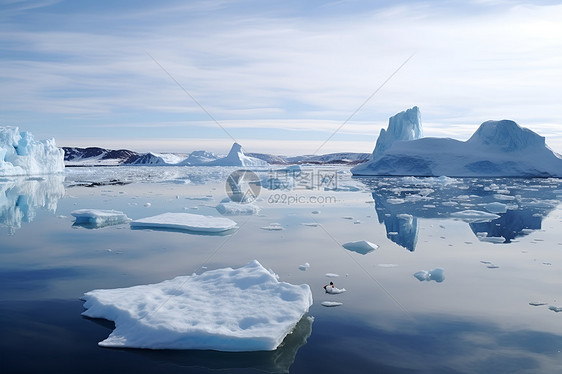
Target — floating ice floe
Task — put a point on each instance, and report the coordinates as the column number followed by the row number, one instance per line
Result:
column 436, row 274
column 496, row 207
column 556, row 309
column 361, row 246
column 537, row 303
column 244, row 309
column 331, row 275
column 185, row 221
column 273, row 227
column 232, row 208
column 331, row 303
column 304, row 267
column 310, row 224
column 475, row 216
column 99, row 217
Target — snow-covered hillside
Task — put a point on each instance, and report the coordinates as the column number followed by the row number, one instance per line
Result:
column 497, row 148
column 21, row 154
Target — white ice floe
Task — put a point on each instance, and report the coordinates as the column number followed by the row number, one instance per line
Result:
column 21, row 154
column 310, row 224
column 99, row 217
column 361, row 246
column 274, row 226
column 537, row 303
column 436, row 274
column 232, row 208
column 244, row 309
column 331, row 275
column 185, row 221
column 304, row 267
column 475, row 216
column 331, row 303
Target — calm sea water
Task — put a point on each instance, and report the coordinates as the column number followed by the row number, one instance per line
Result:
column 494, row 311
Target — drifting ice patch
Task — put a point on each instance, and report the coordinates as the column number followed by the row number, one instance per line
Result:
column 361, row 246
column 99, row 217
column 436, row 274
column 331, row 303
column 237, row 209
column 334, row 290
column 273, row 227
column 304, row 267
column 556, row 309
column 244, row 309
column 185, row 221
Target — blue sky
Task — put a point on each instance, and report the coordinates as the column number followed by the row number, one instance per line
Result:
column 278, row 76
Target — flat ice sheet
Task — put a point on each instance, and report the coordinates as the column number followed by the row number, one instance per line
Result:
column 244, row 309
column 186, row 221
column 99, row 216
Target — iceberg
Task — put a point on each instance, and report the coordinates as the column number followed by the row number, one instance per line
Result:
column 185, row 221
column 99, row 217
column 236, row 157
column 497, row 148
column 244, row 309
column 21, row 154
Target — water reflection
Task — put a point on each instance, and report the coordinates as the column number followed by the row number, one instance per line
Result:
column 21, row 197
column 521, row 205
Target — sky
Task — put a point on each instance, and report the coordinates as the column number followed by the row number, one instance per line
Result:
column 284, row 77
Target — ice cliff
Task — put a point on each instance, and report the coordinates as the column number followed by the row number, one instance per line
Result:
column 20, row 154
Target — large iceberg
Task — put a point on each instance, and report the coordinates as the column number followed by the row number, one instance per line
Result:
column 244, row 309
column 20, row 154
column 497, row 148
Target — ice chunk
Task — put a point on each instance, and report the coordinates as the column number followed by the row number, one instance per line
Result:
column 273, row 227
column 185, row 221
column 304, row 267
column 475, row 216
column 496, row 207
column 244, row 309
column 436, row 274
column 537, row 303
column 334, row 290
column 556, row 309
column 99, row 217
column 331, row 275
column 232, row 208
column 20, row 154
column 331, row 303
column 361, row 246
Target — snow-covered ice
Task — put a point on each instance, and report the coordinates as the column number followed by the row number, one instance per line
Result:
column 361, row 246
column 497, row 148
column 99, row 217
column 437, row 274
column 185, row 221
column 244, row 309
column 334, row 290
column 304, row 267
column 232, row 208
column 21, row 154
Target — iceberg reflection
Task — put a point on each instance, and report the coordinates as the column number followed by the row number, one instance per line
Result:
column 497, row 210
column 21, row 197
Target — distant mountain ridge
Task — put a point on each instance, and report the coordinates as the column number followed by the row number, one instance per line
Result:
column 96, row 156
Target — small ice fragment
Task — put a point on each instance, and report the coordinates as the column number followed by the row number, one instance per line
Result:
column 387, row 265
column 315, row 212
column 547, row 263
column 356, row 222
column 493, row 266
column 475, row 216
column 348, row 217
column 361, row 246
column 537, row 303
column 556, row 309
column 147, row 205
column 334, row 290
column 392, row 233
column 232, row 208
column 331, row 303
column 332, row 275
column 311, row 224
column 436, row 274
column 486, row 262
column 304, row 266
column 273, row 227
